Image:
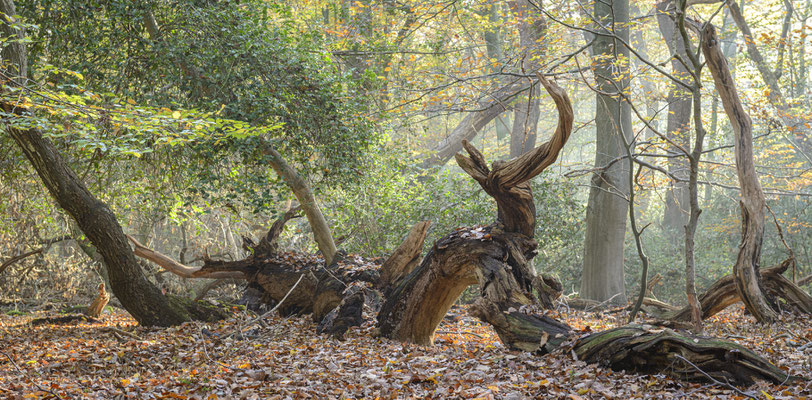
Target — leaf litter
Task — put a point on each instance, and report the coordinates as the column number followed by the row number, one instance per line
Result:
column 116, row 359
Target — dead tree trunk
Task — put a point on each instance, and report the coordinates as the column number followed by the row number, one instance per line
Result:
column 495, row 256
column 752, row 198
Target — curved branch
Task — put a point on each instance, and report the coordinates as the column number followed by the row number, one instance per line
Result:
column 184, row 271
column 527, row 166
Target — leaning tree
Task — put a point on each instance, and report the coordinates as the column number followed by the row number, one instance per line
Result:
column 412, row 294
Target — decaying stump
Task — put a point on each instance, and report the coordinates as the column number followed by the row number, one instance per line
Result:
column 497, row 257
column 96, row 307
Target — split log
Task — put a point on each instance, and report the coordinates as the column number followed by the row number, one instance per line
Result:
column 724, row 293
column 405, row 257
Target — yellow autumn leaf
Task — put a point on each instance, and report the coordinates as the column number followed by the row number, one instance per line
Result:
column 176, row 114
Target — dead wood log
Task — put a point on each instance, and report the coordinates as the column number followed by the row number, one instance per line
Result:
column 724, row 293
column 638, row 348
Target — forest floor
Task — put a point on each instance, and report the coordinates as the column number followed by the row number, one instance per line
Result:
column 115, row 359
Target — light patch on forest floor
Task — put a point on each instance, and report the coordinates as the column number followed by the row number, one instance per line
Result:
column 288, row 360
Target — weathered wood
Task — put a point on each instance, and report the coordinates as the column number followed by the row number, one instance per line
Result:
column 724, row 293
column 652, row 350
column 495, row 256
column 406, row 257
column 752, row 197
column 96, row 307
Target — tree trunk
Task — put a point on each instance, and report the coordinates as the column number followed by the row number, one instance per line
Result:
column 607, row 205
column 678, row 123
column 142, row 299
column 752, row 201
column 300, row 188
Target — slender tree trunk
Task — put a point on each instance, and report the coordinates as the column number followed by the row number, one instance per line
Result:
column 607, row 205
column 300, row 188
column 747, row 265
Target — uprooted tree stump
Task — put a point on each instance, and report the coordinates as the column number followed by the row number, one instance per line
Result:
column 416, row 293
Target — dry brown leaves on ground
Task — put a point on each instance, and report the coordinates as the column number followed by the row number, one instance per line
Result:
column 117, row 359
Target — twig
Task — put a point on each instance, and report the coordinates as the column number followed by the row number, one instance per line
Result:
column 716, row 381
column 262, row 317
column 42, row 389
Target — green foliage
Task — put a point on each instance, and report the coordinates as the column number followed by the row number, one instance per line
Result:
column 379, row 211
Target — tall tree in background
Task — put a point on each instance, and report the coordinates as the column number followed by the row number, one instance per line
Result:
column 679, row 122
column 607, row 205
